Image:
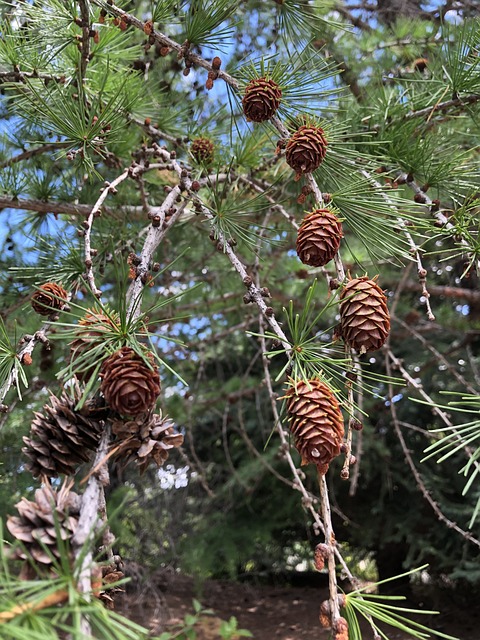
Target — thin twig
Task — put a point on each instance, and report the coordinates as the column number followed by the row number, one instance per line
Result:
column 416, row 384
column 85, row 42
column 442, row 106
column 438, row 356
column 165, row 41
column 436, row 212
column 110, row 188
column 29, row 344
column 414, row 249
column 418, row 478
column 34, row 151
column 331, row 544
column 359, row 437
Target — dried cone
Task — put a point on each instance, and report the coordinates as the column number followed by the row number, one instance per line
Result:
column 203, row 150
column 90, row 333
column 261, row 100
column 364, row 317
column 129, row 385
column 145, row 441
column 341, row 629
column 319, row 237
column 61, row 438
column 110, row 574
column 49, row 298
column 52, row 515
column 306, row 149
column 316, row 422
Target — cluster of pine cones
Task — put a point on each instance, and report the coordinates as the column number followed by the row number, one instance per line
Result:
column 315, row 417
column 67, row 432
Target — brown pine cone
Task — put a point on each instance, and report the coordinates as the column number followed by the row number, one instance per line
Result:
column 364, row 317
column 306, row 149
column 49, row 298
column 61, row 438
column 129, row 385
column 50, row 516
column 145, row 441
column 319, row 237
column 316, row 422
column 261, row 99
column 90, row 333
column 341, row 629
column 107, row 575
column 203, row 150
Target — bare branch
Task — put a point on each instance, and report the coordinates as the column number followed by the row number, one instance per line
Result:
column 95, row 211
column 418, row 478
column 34, row 151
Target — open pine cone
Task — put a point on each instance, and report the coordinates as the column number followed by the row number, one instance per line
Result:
column 129, row 385
column 144, row 440
column 203, row 150
column 364, row 317
column 316, row 422
column 306, row 149
column 105, row 575
column 49, row 298
column 61, row 438
column 52, row 514
column 261, row 100
column 90, row 333
column 319, row 237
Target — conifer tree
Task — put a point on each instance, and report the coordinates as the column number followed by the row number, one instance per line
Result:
column 209, row 201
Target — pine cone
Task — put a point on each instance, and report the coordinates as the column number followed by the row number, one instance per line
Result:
column 306, row 149
column 364, row 317
column 61, row 438
column 341, row 629
column 145, row 441
column 49, row 298
column 130, row 387
column 105, row 576
column 51, row 515
column 261, row 100
column 319, row 237
column 316, row 421
column 90, row 333
column 203, row 150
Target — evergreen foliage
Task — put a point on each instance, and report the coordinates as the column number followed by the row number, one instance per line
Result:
column 130, row 176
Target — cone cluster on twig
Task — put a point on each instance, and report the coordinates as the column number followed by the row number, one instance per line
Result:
column 306, row 149
column 61, row 438
column 316, row 422
column 261, row 99
column 364, row 317
column 319, row 237
column 203, row 150
column 145, row 439
column 42, row 521
column 49, row 298
column 130, row 385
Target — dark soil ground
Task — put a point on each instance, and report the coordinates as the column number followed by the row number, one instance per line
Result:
column 270, row 612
